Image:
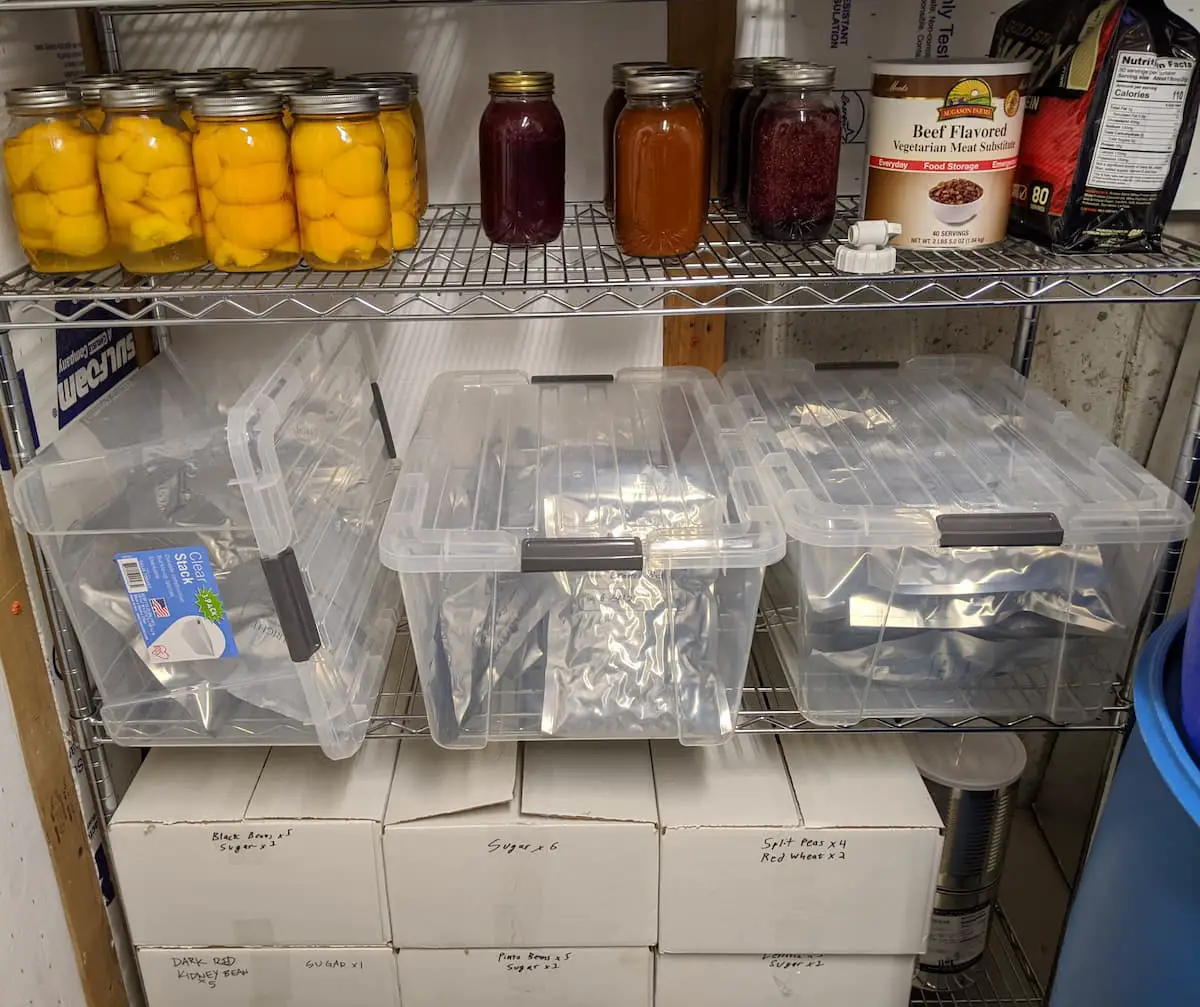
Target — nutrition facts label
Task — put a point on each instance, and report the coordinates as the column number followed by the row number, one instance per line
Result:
column 1141, row 122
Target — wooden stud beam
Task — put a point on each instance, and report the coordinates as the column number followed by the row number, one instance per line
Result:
column 700, row 33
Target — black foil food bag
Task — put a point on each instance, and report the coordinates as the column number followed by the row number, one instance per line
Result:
column 1109, row 120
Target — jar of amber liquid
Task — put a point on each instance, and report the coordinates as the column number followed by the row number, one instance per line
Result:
column 186, row 86
column 400, row 143
column 146, row 177
column 90, row 87
column 243, row 169
column 283, row 84
column 621, row 72
column 341, row 179
column 522, row 160
column 50, row 164
column 662, row 170
column 794, row 153
column 418, row 118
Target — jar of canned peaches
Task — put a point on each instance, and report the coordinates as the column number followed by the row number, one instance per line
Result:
column 400, row 143
column 243, row 169
column 186, row 86
column 144, row 156
column 90, row 87
column 282, row 84
column 340, row 170
column 50, row 164
column 418, row 117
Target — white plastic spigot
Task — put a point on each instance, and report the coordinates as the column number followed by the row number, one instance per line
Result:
column 867, row 248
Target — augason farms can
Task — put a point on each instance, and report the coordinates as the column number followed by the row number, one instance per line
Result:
column 942, row 148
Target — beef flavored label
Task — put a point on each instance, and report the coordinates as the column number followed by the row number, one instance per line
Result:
column 942, row 148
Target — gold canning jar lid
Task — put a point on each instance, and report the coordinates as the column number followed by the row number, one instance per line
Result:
column 521, row 82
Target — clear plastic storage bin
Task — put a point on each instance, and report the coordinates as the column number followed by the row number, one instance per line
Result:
column 958, row 542
column 581, row 557
column 212, row 527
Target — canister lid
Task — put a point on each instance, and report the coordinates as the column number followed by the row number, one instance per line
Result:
column 521, row 82
column 45, row 97
column 797, row 75
column 277, row 83
column 389, row 77
column 651, row 84
column 188, row 85
column 90, row 85
column 137, row 96
column 319, row 74
column 391, row 95
column 984, row 66
column 343, row 99
column 975, row 760
column 621, row 72
column 236, row 104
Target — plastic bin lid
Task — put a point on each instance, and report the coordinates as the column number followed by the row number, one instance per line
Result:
column 953, row 452
column 984, row 760
column 643, row 470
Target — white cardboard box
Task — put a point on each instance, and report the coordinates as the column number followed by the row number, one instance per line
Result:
column 244, row 847
column 768, row 980
column 840, row 858
column 542, row 845
column 269, row 977
column 542, row 977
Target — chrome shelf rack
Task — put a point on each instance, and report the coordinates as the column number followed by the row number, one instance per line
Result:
column 456, row 272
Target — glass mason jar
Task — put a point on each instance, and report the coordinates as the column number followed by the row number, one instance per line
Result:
column 661, row 171
column 797, row 141
column 282, row 84
column 318, row 75
column 50, row 163
column 621, row 72
column 186, row 86
column 341, row 179
column 740, row 85
column 146, row 177
column 247, row 199
column 418, row 117
column 90, row 87
column 400, row 142
column 522, row 160
column 231, row 75
column 746, row 124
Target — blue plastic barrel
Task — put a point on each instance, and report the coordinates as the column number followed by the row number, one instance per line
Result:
column 1190, row 690
column 1133, row 937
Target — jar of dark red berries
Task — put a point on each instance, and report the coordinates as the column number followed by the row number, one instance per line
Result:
column 522, row 160
column 795, row 145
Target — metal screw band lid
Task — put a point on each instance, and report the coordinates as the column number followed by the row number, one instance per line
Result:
column 389, row 77
column 90, row 85
column 148, row 75
column 798, row 75
column 229, row 72
column 695, row 73
column 285, row 84
column 743, row 68
column 136, row 96
column 45, row 97
column 238, row 104
column 761, row 71
column 317, row 74
column 344, row 99
column 521, row 82
column 391, row 95
column 621, row 72
column 648, row 85
column 188, row 85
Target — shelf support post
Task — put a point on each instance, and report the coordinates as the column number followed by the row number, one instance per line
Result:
column 1027, row 327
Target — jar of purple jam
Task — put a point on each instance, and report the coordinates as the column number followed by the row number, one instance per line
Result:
column 795, row 146
column 745, row 127
column 522, row 160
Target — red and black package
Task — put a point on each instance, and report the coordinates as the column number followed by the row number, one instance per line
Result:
column 1108, row 122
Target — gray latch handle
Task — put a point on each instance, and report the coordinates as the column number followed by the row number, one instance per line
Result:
column 581, row 555
column 966, row 531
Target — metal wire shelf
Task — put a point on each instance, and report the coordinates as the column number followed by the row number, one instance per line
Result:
column 456, row 272
column 1006, row 979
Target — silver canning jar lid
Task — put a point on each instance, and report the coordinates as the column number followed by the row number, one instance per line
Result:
column 228, row 72
column 43, row 98
column 331, row 101
column 694, row 73
column 744, row 67
column 187, row 85
column 649, row 85
column 621, row 72
column 285, row 84
column 90, row 85
column 390, row 95
column 799, row 75
column 236, row 104
column 135, row 96
column 389, row 77
column 147, row 75
column 317, row 74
